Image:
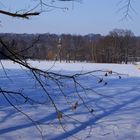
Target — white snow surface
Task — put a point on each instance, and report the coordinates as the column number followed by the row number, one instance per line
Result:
column 129, row 69
column 116, row 105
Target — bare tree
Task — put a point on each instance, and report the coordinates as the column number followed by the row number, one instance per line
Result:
column 43, row 77
column 123, row 43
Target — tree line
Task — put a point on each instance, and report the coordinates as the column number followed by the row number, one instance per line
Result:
column 119, row 46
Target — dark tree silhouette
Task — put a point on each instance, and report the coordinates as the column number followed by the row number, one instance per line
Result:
column 42, row 77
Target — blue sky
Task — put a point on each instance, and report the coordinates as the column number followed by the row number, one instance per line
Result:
column 91, row 16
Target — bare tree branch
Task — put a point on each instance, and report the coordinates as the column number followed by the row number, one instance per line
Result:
column 19, row 15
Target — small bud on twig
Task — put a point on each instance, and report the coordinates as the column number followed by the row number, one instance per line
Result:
column 110, row 72
column 92, row 110
column 106, row 74
column 59, row 115
column 75, row 106
column 105, row 83
column 100, row 81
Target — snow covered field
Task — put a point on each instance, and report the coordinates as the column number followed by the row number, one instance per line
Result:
column 116, row 105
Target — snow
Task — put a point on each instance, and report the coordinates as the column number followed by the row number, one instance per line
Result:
column 116, row 105
column 129, row 69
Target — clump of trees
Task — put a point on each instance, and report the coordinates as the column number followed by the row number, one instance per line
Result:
column 119, row 46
